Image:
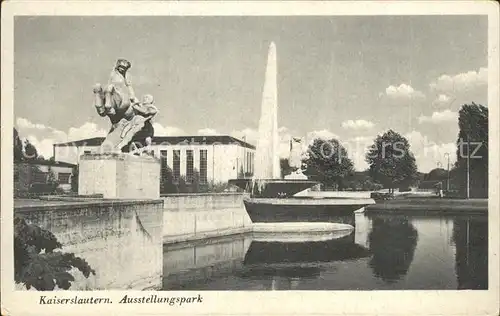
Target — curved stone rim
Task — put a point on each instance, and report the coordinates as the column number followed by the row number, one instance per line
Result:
column 300, row 231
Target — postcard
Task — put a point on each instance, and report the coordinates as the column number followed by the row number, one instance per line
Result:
column 250, row 158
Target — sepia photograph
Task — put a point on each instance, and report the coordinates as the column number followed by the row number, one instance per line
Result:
column 172, row 155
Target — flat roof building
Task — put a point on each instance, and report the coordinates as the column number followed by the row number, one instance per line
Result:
column 216, row 158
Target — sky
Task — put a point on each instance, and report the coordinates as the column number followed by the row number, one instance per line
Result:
column 344, row 77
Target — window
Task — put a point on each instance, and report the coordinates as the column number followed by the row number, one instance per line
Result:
column 85, row 152
column 203, row 166
column 39, row 177
column 163, row 162
column 63, row 177
column 189, row 166
column 176, row 172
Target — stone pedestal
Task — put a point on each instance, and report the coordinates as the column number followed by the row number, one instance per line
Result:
column 119, row 176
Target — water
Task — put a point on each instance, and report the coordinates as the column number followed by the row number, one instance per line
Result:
column 385, row 252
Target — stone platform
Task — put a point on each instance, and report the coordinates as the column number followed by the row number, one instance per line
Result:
column 118, row 175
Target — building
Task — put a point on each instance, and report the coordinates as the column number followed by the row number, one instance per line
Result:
column 216, row 158
column 35, row 175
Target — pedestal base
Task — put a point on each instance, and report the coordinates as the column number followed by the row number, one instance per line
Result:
column 118, row 175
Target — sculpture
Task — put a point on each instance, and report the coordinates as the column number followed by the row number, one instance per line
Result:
column 131, row 129
column 295, row 159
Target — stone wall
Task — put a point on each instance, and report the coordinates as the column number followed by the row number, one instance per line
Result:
column 198, row 216
column 121, row 240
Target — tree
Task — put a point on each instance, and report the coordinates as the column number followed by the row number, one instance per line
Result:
column 195, row 182
column 436, row 174
column 30, row 152
column 167, row 180
column 327, row 162
column 18, row 147
column 52, row 180
column 391, row 161
column 43, row 271
column 473, row 129
column 74, row 179
column 241, row 173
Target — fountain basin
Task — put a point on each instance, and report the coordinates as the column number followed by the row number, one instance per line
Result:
column 302, row 209
column 273, row 188
column 299, row 231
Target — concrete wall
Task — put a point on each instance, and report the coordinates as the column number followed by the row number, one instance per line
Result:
column 197, row 216
column 121, row 240
column 196, row 262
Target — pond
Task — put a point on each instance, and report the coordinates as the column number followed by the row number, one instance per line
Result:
column 385, row 252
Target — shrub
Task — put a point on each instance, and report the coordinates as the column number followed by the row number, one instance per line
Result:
column 43, row 270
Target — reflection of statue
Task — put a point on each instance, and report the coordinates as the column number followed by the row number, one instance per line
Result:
column 131, row 119
column 392, row 242
column 295, row 159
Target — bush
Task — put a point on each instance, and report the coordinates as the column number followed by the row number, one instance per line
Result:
column 379, row 196
column 182, row 186
column 43, row 271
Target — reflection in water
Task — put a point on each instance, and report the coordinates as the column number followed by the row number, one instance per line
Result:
column 286, row 263
column 392, row 241
column 471, row 260
column 386, row 252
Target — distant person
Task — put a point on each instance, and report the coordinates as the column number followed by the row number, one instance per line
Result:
column 439, row 190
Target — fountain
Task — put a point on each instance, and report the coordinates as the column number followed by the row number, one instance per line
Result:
column 272, row 199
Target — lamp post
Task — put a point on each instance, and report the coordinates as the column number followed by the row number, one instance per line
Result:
column 448, row 173
column 468, row 167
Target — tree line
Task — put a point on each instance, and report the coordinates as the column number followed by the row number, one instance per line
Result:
column 392, row 163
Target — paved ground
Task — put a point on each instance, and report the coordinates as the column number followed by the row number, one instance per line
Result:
column 443, row 205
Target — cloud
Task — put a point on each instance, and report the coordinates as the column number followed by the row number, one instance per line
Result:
column 250, row 135
column 43, row 146
column 439, row 117
column 402, row 92
column 357, row 124
column 160, row 130
column 23, row 123
column 87, row 130
column 429, row 154
column 442, row 100
column 207, row 132
column 322, row 134
column 462, row 81
column 43, row 137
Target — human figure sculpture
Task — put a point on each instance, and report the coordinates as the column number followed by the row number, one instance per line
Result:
column 131, row 127
column 295, row 159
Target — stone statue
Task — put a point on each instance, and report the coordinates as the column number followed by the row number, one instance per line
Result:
column 295, row 159
column 131, row 128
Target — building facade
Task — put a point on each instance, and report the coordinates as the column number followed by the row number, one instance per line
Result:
column 215, row 158
column 31, row 174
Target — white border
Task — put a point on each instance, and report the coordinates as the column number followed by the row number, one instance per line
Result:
column 270, row 302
